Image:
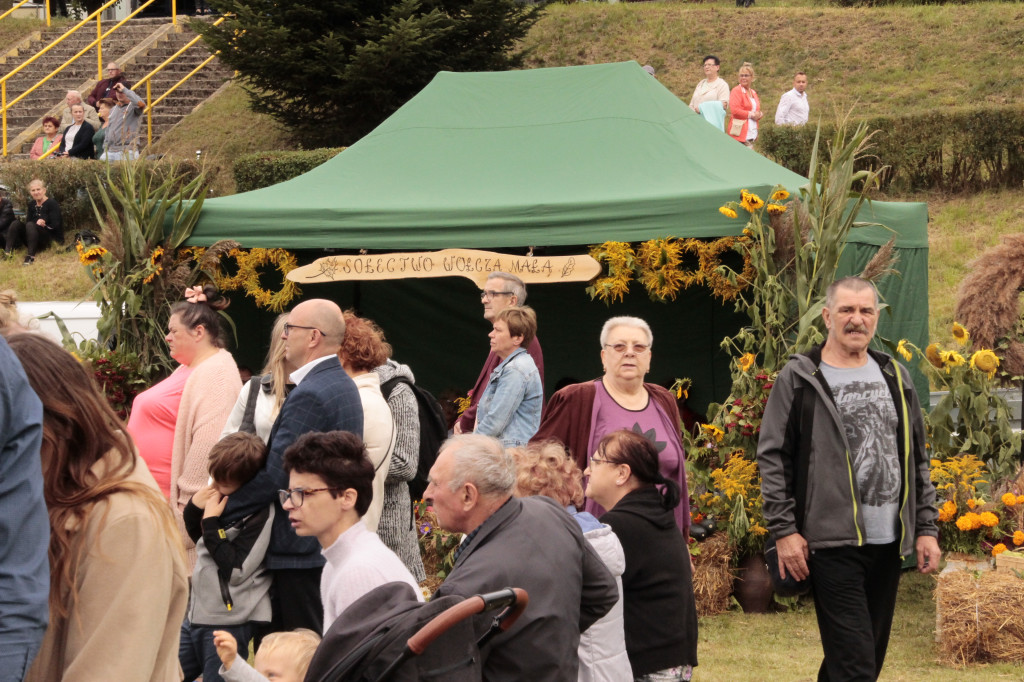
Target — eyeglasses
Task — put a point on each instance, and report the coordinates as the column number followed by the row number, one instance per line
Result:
column 487, row 294
column 598, row 460
column 289, row 327
column 298, row 495
column 621, row 348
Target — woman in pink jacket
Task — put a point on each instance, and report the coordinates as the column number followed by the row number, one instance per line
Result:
column 744, row 108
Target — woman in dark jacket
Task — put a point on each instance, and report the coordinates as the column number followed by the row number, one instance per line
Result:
column 660, row 613
column 42, row 224
column 76, row 142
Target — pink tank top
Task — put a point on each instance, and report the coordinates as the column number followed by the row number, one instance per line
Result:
column 151, row 425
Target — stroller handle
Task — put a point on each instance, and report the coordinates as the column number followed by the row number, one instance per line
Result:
column 512, row 599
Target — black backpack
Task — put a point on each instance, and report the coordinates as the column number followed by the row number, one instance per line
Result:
column 433, row 431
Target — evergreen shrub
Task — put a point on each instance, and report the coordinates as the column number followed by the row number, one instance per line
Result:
column 263, row 169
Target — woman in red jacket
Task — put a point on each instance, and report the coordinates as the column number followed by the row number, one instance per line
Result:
column 744, row 108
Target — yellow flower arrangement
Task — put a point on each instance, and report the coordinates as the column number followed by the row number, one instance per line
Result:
column 779, row 195
column 960, row 334
column 986, row 361
column 746, row 361
column 248, row 276
column 904, row 352
column 988, row 519
column 933, row 355
column 1009, row 499
column 727, row 212
column 948, row 511
column 998, row 549
column 620, row 259
column 658, row 261
column 1018, row 537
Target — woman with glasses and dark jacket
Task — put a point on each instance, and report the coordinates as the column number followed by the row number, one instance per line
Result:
column 580, row 415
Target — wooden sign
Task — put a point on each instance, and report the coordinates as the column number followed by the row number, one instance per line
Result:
column 469, row 263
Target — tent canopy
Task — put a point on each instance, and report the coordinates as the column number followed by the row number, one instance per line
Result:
column 560, row 156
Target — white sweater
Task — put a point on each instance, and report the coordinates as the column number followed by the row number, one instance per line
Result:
column 379, row 436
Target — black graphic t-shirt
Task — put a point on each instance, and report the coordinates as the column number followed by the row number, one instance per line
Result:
column 869, row 419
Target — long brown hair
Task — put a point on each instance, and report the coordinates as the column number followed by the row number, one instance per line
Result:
column 79, row 430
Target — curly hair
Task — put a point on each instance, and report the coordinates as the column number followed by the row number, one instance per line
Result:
column 545, row 469
column 338, row 457
column 52, row 119
column 364, row 346
column 204, row 313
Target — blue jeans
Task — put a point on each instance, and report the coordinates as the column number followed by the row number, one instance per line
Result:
column 198, row 655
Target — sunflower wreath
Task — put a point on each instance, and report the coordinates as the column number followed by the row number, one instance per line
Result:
column 248, row 276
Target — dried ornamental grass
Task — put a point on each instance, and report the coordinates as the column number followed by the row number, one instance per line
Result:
column 982, row 619
column 712, row 579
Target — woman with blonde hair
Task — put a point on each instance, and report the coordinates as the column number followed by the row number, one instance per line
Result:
column 262, row 397
column 544, row 468
column 744, row 108
column 118, row 577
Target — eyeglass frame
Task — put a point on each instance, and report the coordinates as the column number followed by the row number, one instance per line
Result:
column 592, row 460
column 287, row 330
column 487, row 294
column 628, row 347
column 286, row 495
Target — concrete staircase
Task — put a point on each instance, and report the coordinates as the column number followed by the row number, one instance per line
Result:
column 138, row 47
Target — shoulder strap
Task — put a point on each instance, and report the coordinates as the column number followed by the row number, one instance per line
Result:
column 248, row 424
column 388, row 386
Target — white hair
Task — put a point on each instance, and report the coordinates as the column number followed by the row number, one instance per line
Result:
column 626, row 321
column 518, row 288
column 482, row 461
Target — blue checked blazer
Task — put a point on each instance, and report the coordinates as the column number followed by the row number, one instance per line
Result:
column 325, row 400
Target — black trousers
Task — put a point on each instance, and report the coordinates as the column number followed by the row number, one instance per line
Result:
column 295, row 602
column 33, row 236
column 854, row 598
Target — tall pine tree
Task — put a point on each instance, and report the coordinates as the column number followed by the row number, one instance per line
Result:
column 331, row 70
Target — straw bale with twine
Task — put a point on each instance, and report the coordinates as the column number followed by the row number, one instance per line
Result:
column 981, row 617
column 712, row 579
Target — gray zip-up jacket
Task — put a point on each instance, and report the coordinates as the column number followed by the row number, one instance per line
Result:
column 832, row 504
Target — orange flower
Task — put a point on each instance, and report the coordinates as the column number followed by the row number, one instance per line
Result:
column 968, row 521
column 1020, row 499
column 948, row 511
column 998, row 549
column 971, row 503
column 1009, row 499
column 988, row 519
column 1018, row 537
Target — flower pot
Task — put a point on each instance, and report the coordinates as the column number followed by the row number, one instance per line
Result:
column 753, row 586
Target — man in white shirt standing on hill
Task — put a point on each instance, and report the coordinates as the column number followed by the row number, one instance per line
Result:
column 793, row 107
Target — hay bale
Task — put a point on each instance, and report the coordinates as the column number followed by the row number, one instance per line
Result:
column 712, row 579
column 982, row 619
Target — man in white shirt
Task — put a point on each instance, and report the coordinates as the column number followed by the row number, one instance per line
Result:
column 793, row 107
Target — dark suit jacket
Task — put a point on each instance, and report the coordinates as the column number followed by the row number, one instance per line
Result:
column 534, row 544
column 325, row 400
column 82, row 148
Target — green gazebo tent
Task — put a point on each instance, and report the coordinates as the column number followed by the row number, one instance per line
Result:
column 555, row 159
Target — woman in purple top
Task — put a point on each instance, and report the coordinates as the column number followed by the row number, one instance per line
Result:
column 579, row 416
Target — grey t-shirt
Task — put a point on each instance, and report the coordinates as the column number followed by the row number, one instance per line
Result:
column 869, row 419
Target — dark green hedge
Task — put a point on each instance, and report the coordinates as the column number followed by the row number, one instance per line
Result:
column 263, row 169
column 71, row 182
column 961, row 150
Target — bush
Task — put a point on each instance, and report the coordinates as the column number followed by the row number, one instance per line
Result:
column 967, row 149
column 72, row 183
column 263, row 169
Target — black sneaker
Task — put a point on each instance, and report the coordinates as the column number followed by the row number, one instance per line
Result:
column 29, row 260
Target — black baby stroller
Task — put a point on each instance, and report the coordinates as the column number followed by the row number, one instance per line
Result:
column 388, row 635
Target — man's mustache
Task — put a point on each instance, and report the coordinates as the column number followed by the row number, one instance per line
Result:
column 855, row 328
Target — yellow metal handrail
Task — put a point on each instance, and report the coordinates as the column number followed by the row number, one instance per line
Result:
column 149, row 90
column 14, row 7
column 98, row 43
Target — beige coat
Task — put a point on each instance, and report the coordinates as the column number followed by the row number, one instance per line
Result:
column 132, row 593
column 210, row 393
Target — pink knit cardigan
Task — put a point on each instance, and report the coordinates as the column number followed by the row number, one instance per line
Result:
column 210, row 393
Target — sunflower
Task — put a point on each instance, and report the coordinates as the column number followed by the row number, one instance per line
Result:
column 960, row 334
column 950, row 358
column 904, row 352
column 985, row 361
column 776, row 209
column 780, row 195
column 157, row 254
column 932, row 353
column 727, row 212
column 92, row 255
column 746, row 361
column 751, row 202
column 713, row 431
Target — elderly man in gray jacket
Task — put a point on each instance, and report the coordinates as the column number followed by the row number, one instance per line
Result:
column 531, row 543
column 846, row 482
column 122, row 139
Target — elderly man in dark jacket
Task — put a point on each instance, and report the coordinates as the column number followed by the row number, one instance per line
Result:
column 105, row 88
column 530, row 543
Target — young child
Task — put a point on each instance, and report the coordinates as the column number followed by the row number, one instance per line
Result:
column 330, row 482
column 230, row 586
column 283, row 657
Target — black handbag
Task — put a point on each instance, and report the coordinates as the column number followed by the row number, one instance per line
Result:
column 784, row 587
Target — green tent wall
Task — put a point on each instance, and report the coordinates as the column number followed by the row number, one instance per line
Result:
column 556, row 159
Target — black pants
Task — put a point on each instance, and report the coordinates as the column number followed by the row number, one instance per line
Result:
column 34, row 236
column 295, row 602
column 854, row 598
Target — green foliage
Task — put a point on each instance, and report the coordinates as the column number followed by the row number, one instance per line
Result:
column 143, row 219
column 332, row 70
column 73, row 182
column 961, row 150
column 263, row 169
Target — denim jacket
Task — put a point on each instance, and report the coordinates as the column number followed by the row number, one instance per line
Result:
column 511, row 404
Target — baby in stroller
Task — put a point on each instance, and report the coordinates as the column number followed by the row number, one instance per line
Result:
column 283, row 656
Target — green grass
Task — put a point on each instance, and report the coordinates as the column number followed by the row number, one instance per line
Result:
column 223, row 128
column 55, row 276
column 883, row 60
column 785, row 646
